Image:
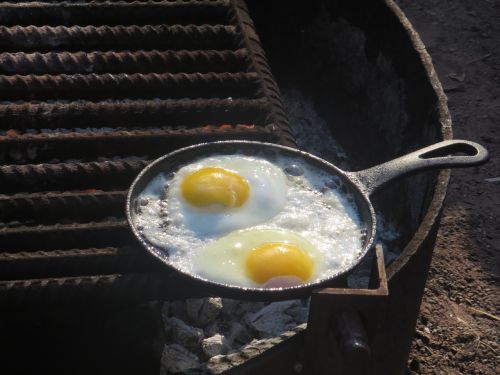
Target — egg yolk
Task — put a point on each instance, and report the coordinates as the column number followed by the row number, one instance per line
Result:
column 275, row 259
column 209, row 186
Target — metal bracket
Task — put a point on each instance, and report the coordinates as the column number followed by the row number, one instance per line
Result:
column 344, row 325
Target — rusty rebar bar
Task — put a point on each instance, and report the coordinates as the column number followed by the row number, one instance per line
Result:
column 258, row 62
column 87, row 145
column 88, row 38
column 68, row 176
column 65, row 236
column 131, row 113
column 54, row 207
column 87, row 292
column 124, row 62
column 72, row 262
column 152, row 85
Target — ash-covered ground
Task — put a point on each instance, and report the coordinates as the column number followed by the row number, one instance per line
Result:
column 459, row 324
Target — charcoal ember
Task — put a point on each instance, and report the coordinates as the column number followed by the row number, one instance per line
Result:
column 247, row 307
column 214, row 345
column 175, row 358
column 273, row 319
column 178, row 309
column 184, row 334
column 203, row 311
column 229, row 306
column 213, row 329
column 238, row 335
column 193, row 308
column 165, row 309
column 299, row 313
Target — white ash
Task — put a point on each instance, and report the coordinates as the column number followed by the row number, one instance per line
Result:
column 214, row 345
column 273, row 319
column 223, row 328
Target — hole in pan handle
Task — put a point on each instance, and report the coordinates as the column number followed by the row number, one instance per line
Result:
column 439, row 155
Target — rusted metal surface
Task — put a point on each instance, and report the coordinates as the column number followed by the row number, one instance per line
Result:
column 129, row 86
column 154, row 61
column 68, row 176
column 258, row 61
column 131, row 112
column 88, row 144
column 103, row 291
column 106, row 233
column 68, row 262
column 47, row 207
column 78, row 38
column 92, row 91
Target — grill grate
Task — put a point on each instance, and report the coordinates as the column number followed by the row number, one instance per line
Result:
column 93, row 91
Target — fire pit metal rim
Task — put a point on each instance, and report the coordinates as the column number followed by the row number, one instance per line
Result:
column 431, row 217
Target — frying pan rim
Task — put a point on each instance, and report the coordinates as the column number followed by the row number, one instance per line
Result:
column 234, row 290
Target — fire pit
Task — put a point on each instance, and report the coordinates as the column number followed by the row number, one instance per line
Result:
column 92, row 91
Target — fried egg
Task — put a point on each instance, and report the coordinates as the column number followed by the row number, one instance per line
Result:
column 281, row 208
column 217, row 195
column 254, row 258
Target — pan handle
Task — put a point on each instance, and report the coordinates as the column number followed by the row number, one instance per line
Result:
column 438, row 155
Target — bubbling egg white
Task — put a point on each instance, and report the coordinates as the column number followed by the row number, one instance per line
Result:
column 299, row 198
